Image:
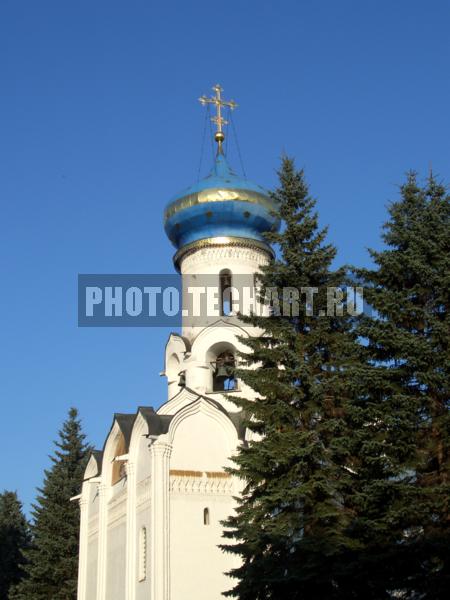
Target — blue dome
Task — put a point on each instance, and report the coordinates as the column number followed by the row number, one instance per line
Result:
column 220, row 205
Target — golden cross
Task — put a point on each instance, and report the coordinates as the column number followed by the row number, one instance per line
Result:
column 218, row 119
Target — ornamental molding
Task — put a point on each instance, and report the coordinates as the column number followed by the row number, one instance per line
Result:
column 119, row 519
column 118, row 496
column 219, row 331
column 184, row 396
column 143, row 492
column 162, row 447
column 212, row 249
column 117, row 508
column 206, row 407
column 205, row 483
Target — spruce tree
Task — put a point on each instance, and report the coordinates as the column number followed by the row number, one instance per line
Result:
column 290, row 525
column 53, row 558
column 401, row 427
column 14, row 540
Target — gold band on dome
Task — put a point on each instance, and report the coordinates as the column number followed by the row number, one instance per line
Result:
column 217, row 195
column 217, row 242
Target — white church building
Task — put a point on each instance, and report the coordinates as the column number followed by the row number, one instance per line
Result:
column 153, row 499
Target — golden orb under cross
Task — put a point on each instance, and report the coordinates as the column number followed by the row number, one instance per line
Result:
column 218, row 119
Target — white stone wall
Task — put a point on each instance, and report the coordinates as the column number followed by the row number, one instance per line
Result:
column 197, row 564
column 203, row 440
column 209, row 262
column 92, row 562
column 116, row 560
column 171, row 478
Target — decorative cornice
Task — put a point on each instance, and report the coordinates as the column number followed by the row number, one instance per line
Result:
column 143, row 492
column 117, row 512
column 118, row 498
column 193, row 482
column 161, row 448
column 223, row 243
column 130, row 468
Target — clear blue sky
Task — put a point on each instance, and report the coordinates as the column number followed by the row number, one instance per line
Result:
column 100, row 126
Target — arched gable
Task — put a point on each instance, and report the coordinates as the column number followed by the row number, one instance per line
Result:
column 177, row 348
column 178, row 342
column 116, row 444
column 176, row 345
column 202, row 436
column 221, row 332
column 185, row 396
column 147, row 424
column 94, row 465
column 140, row 429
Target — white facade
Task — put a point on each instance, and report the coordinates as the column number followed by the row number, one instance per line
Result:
column 153, row 500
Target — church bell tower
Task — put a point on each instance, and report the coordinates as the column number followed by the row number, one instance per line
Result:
column 217, row 228
column 154, row 498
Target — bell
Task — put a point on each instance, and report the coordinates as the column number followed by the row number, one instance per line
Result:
column 222, row 371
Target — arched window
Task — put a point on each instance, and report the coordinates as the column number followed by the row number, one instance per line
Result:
column 223, row 372
column 206, row 516
column 226, row 300
column 142, row 554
